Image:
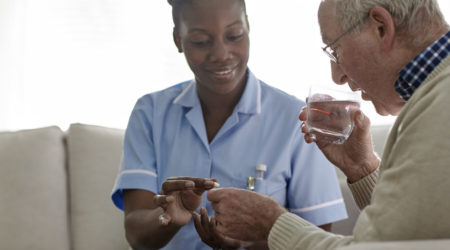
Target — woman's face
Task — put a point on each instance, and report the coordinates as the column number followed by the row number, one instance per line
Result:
column 213, row 34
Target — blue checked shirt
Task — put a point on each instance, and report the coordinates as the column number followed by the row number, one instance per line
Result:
column 416, row 71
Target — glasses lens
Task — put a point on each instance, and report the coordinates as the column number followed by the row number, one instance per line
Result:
column 331, row 54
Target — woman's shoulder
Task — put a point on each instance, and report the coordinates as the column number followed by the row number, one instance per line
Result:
column 166, row 95
column 279, row 96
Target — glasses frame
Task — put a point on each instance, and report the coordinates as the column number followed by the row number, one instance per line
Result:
column 332, row 54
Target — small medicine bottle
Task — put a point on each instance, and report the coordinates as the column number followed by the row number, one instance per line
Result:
column 260, row 169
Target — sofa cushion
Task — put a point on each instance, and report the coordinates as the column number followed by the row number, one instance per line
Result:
column 380, row 134
column 94, row 154
column 33, row 200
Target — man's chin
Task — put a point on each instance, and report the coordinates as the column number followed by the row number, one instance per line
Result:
column 381, row 110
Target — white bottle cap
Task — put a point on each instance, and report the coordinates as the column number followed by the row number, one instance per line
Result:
column 261, row 167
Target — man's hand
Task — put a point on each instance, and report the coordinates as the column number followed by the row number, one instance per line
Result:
column 355, row 157
column 244, row 215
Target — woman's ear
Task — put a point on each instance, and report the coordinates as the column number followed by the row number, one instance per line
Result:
column 176, row 40
column 248, row 23
column 385, row 26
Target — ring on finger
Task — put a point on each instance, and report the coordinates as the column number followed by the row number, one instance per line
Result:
column 163, row 220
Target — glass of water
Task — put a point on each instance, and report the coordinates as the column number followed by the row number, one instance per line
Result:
column 329, row 113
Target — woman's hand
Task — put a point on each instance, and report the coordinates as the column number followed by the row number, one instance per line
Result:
column 206, row 229
column 180, row 197
column 355, row 157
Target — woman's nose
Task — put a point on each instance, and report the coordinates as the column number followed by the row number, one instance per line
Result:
column 338, row 76
column 219, row 51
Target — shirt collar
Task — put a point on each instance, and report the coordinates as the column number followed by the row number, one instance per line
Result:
column 250, row 102
column 417, row 70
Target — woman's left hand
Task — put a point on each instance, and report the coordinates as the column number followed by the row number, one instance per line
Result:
column 206, row 229
column 180, row 197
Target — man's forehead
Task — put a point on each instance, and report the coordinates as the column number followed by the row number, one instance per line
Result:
column 328, row 31
column 327, row 21
column 326, row 39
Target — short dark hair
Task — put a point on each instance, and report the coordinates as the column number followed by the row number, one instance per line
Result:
column 178, row 4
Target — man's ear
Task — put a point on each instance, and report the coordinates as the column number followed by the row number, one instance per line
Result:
column 384, row 25
column 176, row 40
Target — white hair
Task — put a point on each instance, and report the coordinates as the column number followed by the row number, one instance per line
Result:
column 414, row 18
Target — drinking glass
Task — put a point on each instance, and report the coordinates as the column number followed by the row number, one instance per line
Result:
column 329, row 113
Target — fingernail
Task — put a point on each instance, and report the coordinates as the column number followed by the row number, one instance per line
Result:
column 170, row 198
column 189, row 184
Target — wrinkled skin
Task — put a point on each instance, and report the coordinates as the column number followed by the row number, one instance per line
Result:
column 206, row 228
column 355, row 157
column 243, row 214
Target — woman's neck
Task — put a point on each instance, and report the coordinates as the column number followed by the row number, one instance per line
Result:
column 216, row 102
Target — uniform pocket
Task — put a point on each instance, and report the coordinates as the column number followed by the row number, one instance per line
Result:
column 276, row 190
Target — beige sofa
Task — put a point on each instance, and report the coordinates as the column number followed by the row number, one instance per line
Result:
column 56, row 191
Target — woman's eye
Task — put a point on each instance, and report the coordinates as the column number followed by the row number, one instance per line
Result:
column 235, row 37
column 200, row 43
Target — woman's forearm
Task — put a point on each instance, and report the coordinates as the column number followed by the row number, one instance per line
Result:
column 143, row 230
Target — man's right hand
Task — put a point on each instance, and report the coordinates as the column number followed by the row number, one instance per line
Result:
column 355, row 157
column 244, row 215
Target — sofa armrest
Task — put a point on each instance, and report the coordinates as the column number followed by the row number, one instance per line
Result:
column 443, row 244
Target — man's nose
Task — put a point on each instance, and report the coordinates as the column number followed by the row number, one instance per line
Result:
column 338, row 76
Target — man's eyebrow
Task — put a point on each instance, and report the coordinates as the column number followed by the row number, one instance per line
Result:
column 325, row 39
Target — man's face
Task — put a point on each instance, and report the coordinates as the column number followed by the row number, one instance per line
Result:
column 361, row 62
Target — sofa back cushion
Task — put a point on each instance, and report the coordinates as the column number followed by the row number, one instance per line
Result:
column 379, row 137
column 33, row 196
column 94, row 154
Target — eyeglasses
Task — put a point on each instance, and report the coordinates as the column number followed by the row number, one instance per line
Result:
column 331, row 53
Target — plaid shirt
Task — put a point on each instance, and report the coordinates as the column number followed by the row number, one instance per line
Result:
column 416, row 71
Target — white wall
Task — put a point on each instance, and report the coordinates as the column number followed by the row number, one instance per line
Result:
column 65, row 61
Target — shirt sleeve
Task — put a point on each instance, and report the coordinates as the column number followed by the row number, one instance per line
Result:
column 362, row 189
column 293, row 232
column 313, row 192
column 138, row 165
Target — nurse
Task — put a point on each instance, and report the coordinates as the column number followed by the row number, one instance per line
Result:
column 222, row 124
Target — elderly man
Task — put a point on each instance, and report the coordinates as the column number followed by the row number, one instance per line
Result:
column 396, row 53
